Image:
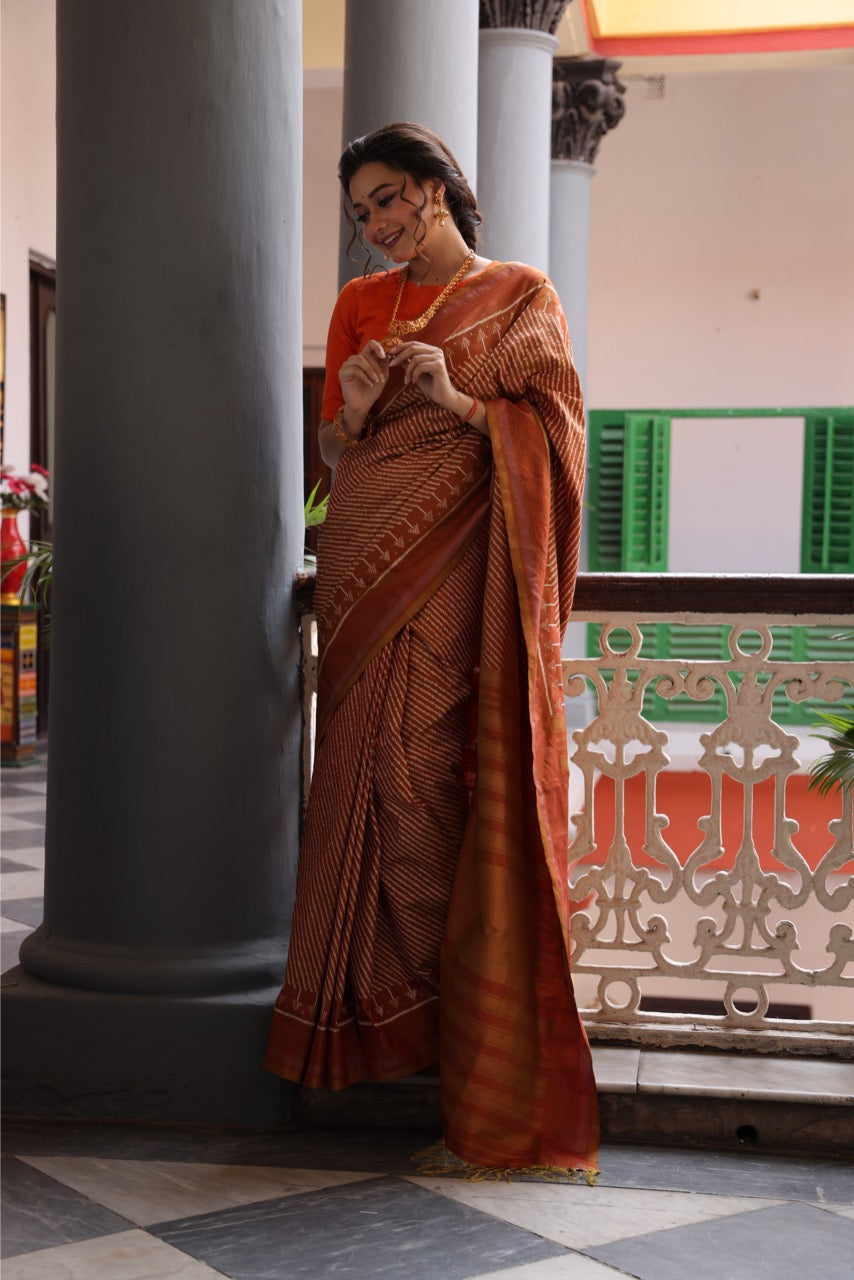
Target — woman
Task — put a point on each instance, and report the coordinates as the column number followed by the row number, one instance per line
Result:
column 432, row 909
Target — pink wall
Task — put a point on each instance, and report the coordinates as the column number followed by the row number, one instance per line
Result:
column 731, row 183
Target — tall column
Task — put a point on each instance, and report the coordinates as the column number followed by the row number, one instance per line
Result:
column 173, row 791
column 587, row 102
column 517, row 45
column 411, row 60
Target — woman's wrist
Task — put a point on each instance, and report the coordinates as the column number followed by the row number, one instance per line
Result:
column 471, row 411
column 349, row 424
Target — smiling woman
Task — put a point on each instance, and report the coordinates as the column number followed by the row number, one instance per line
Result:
column 432, row 911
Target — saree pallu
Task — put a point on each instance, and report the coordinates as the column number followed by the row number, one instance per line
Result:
column 430, row 924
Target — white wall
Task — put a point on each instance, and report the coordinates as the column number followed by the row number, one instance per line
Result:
column 730, row 183
column 28, row 200
column 722, row 517
column 323, row 106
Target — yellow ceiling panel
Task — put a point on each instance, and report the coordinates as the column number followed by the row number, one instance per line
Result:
column 614, row 19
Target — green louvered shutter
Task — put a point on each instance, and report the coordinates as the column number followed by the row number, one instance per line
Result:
column 645, row 493
column 627, row 491
column 827, row 526
column 627, row 497
column 604, row 495
column 827, row 543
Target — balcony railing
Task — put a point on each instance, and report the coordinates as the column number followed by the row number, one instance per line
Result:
column 728, row 923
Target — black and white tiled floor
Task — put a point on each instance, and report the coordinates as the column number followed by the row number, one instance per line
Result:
column 126, row 1202
column 22, row 855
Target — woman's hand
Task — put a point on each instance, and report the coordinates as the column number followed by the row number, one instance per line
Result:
column 425, row 368
column 363, row 377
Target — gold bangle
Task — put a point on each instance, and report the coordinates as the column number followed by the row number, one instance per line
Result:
column 341, row 431
column 368, row 426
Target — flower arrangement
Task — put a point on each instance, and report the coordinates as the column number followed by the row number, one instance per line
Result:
column 23, row 493
column 17, row 493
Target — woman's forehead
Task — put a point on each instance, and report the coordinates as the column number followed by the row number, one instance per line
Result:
column 369, row 177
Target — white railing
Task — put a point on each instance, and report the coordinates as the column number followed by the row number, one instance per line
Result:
column 746, row 944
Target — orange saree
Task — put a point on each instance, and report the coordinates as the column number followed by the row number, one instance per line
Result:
column 431, row 924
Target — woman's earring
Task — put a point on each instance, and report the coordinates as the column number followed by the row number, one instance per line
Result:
column 441, row 212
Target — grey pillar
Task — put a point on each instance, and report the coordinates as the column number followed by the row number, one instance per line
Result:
column 517, row 45
column 174, row 751
column 411, row 60
column 587, row 102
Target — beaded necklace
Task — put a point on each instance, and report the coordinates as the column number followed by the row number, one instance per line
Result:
column 399, row 329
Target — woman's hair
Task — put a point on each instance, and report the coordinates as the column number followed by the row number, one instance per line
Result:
column 416, row 151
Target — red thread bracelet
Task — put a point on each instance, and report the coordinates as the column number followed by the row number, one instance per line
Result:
column 475, row 405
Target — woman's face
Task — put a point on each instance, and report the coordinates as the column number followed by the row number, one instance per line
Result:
column 387, row 205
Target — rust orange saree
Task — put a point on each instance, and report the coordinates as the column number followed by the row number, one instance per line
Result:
column 426, row 926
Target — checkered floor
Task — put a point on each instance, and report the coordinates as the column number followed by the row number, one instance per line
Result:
column 22, row 858
column 123, row 1202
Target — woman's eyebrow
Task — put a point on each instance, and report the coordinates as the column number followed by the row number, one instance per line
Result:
column 371, row 194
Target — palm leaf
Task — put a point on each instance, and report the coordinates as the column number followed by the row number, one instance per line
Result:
column 835, row 770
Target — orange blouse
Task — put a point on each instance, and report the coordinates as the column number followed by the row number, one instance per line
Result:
column 362, row 312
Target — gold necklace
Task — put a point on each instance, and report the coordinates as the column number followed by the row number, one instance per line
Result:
column 398, row 329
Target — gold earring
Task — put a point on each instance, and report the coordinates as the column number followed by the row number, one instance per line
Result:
column 440, row 211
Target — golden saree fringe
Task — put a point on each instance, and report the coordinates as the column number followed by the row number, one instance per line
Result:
column 440, row 1162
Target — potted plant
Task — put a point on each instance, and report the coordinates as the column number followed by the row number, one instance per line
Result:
column 17, row 493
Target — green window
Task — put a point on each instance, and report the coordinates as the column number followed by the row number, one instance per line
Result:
column 628, row 500
column 827, row 530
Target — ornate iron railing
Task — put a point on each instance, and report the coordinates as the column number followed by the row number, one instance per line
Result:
column 726, row 936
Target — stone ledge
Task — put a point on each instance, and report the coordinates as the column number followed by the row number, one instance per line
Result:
column 665, row 1097
column 698, row 1073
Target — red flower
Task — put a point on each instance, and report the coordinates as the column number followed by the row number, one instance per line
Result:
column 41, row 471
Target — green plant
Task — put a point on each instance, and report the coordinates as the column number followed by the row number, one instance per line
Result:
column 315, row 512
column 835, row 770
column 39, row 576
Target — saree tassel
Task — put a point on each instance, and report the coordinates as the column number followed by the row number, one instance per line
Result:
column 440, row 1162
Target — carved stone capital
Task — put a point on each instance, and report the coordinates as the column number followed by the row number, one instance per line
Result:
column 587, row 101
column 535, row 15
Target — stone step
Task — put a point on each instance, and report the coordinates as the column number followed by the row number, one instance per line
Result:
column 693, row 1098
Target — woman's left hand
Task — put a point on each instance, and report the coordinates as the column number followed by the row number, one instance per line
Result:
column 425, row 367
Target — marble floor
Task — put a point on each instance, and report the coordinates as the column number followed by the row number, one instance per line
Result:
column 126, row 1202
column 121, row 1202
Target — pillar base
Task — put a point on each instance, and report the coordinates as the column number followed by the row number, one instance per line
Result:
column 74, row 1054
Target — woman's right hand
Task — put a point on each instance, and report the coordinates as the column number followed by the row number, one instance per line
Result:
column 363, row 377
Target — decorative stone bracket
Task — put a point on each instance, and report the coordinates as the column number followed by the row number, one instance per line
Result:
column 587, row 101
column 535, row 15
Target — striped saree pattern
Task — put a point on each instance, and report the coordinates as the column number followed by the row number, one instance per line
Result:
column 429, row 925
